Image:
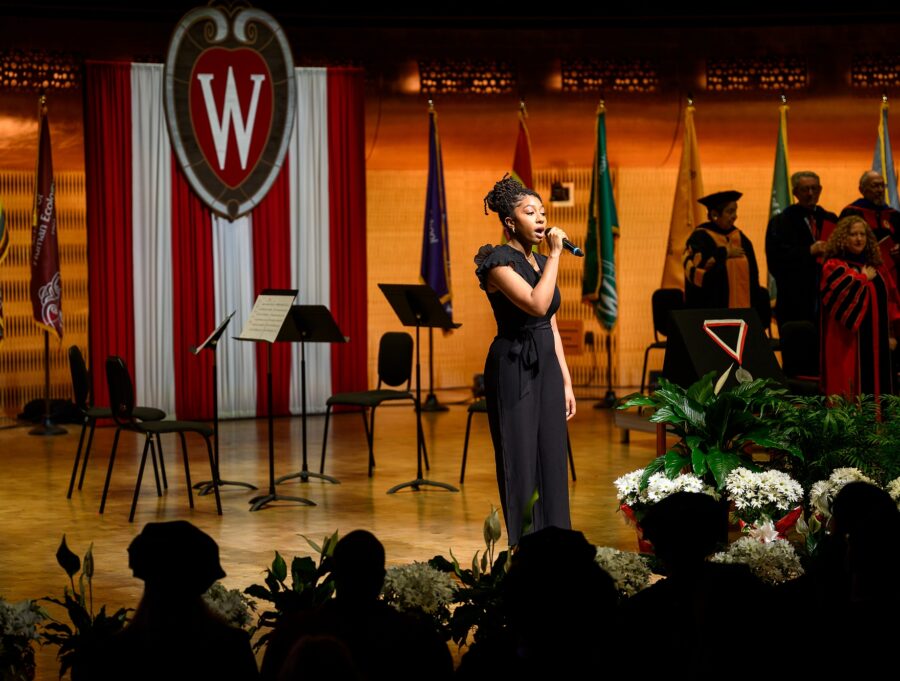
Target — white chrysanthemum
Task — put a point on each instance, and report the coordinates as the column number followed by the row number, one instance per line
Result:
column 893, row 489
column 768, row 494
column 230, row 604
column 418, row 586
column 628, row 487
column 773, row 562
column 823, row 492
column 628, row 570
column 659, row 487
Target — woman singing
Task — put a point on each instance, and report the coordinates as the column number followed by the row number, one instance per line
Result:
column 527, row 383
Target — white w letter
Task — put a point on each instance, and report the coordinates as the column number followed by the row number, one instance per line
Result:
column 231, row 110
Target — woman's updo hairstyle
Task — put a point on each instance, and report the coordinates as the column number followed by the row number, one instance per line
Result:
column 505, row 196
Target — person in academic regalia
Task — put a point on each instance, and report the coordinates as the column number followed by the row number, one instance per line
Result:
column 719, row 263
column 859, row 306
column 881, row 218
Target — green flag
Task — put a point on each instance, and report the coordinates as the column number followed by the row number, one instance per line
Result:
column 781, row 178
column 598, row 286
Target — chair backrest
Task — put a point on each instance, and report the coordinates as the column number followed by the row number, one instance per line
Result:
column 80, row 377
column 663, row 302
column 121, row 390
column 395, row 354
column 762, row 303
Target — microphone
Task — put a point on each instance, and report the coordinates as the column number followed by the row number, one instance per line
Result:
column 572, row 248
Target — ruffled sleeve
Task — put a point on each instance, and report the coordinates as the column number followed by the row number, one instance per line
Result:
column 489, row 257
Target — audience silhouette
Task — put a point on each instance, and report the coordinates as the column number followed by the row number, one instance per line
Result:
column 383, row 643
column 173, row 635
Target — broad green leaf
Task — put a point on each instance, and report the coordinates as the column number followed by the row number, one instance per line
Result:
column 653, row 467
column 67, row 560
column 675, row 462
column 279, row 567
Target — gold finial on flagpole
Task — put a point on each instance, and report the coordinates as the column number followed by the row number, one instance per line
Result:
column 522, row 108
column 884, row 98
column 690, row 99
column 430, row 104
column 783, row 97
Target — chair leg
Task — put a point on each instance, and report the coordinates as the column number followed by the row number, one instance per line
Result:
column 370, row 437
column 148, row 443
column 87, row 454
column 462, row 469
column 112, row 459
column 77, row 458
column 644, row 370
column 155, row 466
column 571, row 459
column 162, row 462
column 215, row 475
column 187, row 470
column 324, row 439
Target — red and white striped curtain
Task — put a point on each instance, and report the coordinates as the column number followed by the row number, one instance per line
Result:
column 163, row 271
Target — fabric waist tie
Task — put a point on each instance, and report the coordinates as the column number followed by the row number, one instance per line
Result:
column 524, row 348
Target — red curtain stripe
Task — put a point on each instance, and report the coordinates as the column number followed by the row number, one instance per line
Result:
column 272, row 269
column 347, row 206
column 107, row 141
column 194, row 304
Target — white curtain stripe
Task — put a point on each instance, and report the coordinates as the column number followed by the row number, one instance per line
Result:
column 310, row 229
column 154, row 370
column 233, row 276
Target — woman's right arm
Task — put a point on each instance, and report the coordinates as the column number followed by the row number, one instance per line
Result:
column 535, row 301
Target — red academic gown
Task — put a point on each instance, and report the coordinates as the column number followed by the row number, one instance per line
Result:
column 856, row 318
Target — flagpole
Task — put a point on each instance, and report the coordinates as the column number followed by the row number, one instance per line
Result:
column 47, row 427
column 431, row 403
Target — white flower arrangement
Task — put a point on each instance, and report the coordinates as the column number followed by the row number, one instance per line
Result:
column 758, row 497
column 658, row 488
column 418, row 587
column 773, row 562
column 18, row 632
column 20, row 620
column 628, row 570
column 230, row 604
column 823, row 492
column 893, row 489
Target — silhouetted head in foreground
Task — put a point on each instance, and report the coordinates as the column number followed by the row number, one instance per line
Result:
column 685, row 528
column 358, row 566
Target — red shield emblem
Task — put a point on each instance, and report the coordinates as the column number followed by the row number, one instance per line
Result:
column 229, row 101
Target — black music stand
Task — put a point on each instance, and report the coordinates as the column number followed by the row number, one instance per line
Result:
column 258, row 502
column 308, row 324
column 431, row 400
column 210, row 344
column 418, row 305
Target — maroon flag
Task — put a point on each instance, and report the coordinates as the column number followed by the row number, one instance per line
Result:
column 46, row 289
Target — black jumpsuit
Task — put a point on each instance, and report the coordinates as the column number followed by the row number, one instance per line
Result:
column 526, row 402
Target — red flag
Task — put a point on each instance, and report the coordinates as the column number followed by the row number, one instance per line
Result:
column 521, row 167
column 46, row 289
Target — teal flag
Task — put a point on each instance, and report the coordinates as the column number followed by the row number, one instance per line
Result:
column 781, row 177
column 598, row 286
column 883, row 162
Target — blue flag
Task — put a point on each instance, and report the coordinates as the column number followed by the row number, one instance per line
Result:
column 884, row 159
column 435, row 268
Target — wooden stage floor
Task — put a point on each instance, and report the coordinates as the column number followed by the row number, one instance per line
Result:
column 34, row 511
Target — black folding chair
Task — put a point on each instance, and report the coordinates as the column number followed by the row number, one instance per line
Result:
column 121, row 397
column 81, row 388
column 395, row 354
column 662, row 302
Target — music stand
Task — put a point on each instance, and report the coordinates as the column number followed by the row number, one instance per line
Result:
column 210, row 344
column 308, row 324
column 273, row 306
column 418, row 305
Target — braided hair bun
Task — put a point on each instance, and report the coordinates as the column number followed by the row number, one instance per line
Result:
column 505, row 196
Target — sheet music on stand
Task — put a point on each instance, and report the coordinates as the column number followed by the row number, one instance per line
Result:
column 268, row 314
